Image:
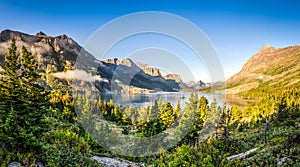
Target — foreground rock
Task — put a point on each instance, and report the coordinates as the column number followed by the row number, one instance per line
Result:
column 14, row 164
column 114, row 162
column 18, row 164
column 241, row 155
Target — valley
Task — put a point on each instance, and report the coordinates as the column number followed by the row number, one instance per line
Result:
column 57, row 110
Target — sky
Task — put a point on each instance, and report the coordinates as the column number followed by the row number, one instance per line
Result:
column 237, row 28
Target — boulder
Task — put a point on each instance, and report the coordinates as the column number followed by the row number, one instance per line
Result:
column 15, row 164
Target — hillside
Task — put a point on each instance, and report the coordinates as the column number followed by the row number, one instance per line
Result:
column 269, row 69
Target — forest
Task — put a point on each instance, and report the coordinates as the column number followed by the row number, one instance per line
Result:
column 39, row 123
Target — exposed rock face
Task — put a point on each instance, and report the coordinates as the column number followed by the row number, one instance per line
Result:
column 274, row 66
column 141, row 65
column 174, row 77
column 111, row 61
column 152, row 71
column 149, row 70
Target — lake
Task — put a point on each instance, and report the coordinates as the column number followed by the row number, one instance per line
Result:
column 147, row 99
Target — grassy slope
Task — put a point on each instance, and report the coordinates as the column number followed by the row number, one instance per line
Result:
column 279, row 69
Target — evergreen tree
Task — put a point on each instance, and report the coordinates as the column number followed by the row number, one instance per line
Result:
column 10, row 83
column 34, row 96
column 223, row 125
column 23, row 102
column 167, row 116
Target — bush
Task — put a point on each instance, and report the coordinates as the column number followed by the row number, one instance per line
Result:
column 66, row 148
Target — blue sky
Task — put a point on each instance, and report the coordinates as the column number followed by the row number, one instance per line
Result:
column 237, row 29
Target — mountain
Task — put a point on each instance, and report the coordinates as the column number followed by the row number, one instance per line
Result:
column 176, row 77
column 52, row 53
column 178, row 80
column 269, row 68
column 128, row 73
column 57, row 56
column 197, row 85
column 148, row 70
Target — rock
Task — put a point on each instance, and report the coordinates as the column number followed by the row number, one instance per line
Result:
column 141, row 65
column 40, row 34
column 111, row 61
column 152, row 71
column 241, row 155
column 14, row 164
column 174, row 77
column 109, row 162
column 284, row 160
column 38, row 164
column 18, row 164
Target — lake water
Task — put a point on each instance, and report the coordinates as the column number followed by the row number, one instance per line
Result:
column 147, row 99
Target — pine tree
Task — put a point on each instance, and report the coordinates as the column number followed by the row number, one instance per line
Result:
column 10, row 99
column 223, row 124
column 203, row 110
column 167, row 116
column 25, row 98
column 10, row 84
column 33, row 94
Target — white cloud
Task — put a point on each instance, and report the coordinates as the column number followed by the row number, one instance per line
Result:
column 78, row 75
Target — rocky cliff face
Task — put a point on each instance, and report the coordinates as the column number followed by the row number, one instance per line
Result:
column 174, row 77
column 269, row 66
column 148, row 70
column 152, row 71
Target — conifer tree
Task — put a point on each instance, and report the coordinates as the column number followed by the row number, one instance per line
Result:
column 10, row 84
column 25, row 98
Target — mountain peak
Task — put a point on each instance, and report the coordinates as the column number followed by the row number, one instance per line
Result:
column 265, row 47
column 40, row 34
column 269, row 65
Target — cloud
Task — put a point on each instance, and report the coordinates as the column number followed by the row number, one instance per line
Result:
column 78, row 75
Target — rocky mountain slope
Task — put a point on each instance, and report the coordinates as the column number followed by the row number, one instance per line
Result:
column 126, row 72
column 270, row 68
column 52, row 53
column 191, row 85
column 197, row 85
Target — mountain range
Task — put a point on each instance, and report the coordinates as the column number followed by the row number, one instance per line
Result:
column 58, row 58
